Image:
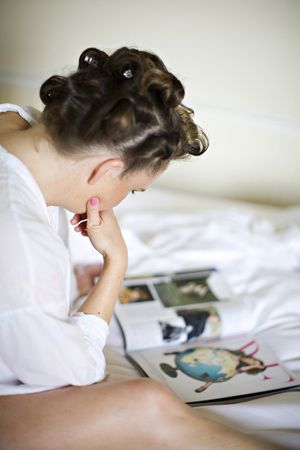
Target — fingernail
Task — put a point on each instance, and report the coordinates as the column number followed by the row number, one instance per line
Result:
column 93, row 201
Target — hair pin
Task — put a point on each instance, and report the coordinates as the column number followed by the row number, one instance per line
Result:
column 128, row 73
column 91, row 61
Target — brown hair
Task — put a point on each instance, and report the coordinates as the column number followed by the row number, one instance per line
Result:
column 127, row 102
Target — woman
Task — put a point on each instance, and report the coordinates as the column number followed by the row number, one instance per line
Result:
column 110, row 128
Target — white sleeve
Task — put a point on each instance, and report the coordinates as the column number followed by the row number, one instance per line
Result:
column 95, row 331
column 43, row 350
column 39, row 342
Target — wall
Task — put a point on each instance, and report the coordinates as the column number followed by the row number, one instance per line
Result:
column 239, row 62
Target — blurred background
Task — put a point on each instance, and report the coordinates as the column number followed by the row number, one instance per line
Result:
column 238, row 60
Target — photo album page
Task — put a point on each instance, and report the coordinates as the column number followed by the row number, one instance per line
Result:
column 173, row 329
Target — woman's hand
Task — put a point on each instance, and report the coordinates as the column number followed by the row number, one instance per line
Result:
column 103, row 230
column 86, row 275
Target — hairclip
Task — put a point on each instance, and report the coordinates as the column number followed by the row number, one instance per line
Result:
column 188, row 110
column 91, row 61
column 128, row 73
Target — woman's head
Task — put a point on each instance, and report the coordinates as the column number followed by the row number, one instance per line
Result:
column 126, row 104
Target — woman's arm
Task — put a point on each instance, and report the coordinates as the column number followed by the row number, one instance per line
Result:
column 104, row 232
column 101, row 299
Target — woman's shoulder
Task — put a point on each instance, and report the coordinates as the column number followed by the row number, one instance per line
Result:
column 15, row 117
column 28, row 113
column 20, row 196
column 18, row 189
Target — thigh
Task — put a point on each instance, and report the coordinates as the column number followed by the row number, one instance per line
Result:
column 90, row 417
column 130, row 415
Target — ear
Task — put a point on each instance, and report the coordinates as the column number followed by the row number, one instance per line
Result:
column 113, row 167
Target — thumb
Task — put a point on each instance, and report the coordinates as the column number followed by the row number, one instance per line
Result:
column 92, row 211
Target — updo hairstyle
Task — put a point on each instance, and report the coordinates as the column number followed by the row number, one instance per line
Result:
column 127, row 103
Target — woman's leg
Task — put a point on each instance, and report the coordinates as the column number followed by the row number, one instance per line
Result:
column 137, row 414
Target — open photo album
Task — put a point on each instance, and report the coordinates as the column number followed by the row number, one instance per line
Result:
column 176, row 330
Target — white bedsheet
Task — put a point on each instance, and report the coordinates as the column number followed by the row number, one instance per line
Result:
column 258, row 250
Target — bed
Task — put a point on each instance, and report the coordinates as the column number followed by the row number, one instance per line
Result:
column 258, row 250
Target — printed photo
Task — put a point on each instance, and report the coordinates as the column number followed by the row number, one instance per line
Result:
column 199, row 320
column 134, row 294
column 212, row 365
column 171, row 332
column 179, row 292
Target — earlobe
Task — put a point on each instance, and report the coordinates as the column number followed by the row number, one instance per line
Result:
column 114, row 167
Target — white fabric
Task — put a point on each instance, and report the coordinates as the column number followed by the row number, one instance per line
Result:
column 258, row 251
column 43, row 345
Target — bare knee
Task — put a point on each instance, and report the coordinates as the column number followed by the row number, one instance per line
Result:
column 151, row 402
column 155, row 395
column 157, row 416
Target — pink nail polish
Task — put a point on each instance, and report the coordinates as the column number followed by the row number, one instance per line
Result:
column 93, row 201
